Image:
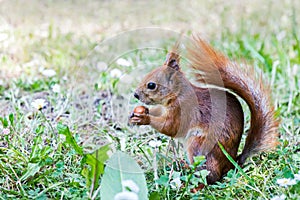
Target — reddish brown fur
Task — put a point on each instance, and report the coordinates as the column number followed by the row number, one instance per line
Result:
column 263, row 131
column 206, row 116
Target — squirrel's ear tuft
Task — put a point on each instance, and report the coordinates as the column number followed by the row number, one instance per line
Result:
column 173, row 60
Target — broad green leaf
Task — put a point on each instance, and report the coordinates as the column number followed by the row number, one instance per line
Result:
column 120, row 168
column 96, row 162
column 154, row 196
column 62, row 129
column 163, row 180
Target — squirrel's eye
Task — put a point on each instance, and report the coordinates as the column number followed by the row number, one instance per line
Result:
column 151, row 86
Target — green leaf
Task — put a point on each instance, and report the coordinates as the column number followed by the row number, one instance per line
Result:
column 202, row 174
column 86, row 173
column 4, row 122
column 154, row 196
column 64, row 130
column 31, row 170
column 121, row 167
column 287, row 173
column 163, row 180
column 96, row 162
column 198, row 160
column 40, row 129
column 11, row 119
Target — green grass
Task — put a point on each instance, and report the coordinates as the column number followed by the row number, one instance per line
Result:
column 39, row 159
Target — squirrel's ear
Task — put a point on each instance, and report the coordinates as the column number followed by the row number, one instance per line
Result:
column 173, row 60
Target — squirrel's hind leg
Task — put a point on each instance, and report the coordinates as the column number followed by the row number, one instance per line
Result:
column 216, row 162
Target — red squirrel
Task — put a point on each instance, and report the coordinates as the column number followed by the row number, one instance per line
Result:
column 204, row 116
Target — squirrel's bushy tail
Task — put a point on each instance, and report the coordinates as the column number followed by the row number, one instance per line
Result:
column 214, row 68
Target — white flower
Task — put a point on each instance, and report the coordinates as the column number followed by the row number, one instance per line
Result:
column 38, row 104
column 48, row 72
column 126, row 196
column 101, row 66
column 123, row 62
column 6, row 131
column 56, row 88
column 130, row 184
column 65, row 78
column 284, row 182
column 116, row 73
column 154, row 143
column 175, row 183
column 281, row 197
column 297, row 176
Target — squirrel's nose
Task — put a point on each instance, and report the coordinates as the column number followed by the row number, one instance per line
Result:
column 136, row 95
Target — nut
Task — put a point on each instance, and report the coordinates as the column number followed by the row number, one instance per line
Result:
column 141, row 110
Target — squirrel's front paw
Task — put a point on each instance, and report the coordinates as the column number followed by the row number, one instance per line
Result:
column 139, row 119
column 140, row 116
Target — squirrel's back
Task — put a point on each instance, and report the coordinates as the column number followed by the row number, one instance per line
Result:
column 214, row 68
